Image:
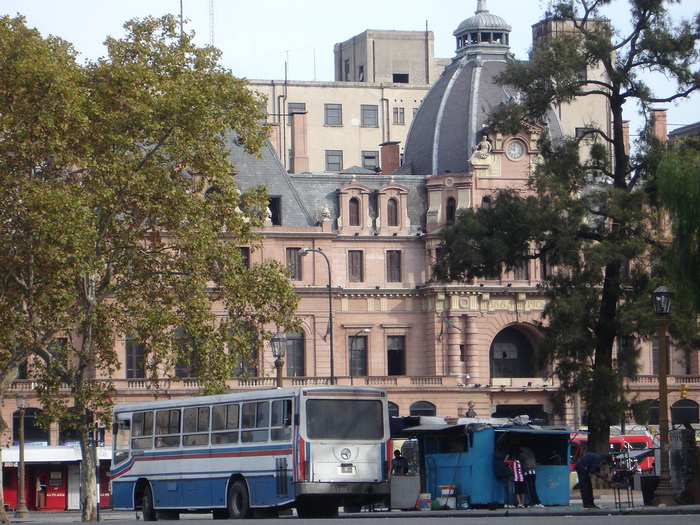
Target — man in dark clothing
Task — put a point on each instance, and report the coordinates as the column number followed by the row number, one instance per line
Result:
column 399, row 465
column 591, row 463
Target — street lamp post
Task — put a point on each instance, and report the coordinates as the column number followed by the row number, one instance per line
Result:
column 278, row 343
column 303, row 252
column 352, row 344
column 22, row 510
column 661, row 299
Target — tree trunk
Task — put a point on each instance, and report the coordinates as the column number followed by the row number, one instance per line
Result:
column 88, row 479
column 7, row 375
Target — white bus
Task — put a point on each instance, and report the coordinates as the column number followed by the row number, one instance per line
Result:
column 237, row 455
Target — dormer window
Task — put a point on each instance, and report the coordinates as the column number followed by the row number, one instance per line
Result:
column 392, row 212
column 354, row 212
column 450, row 209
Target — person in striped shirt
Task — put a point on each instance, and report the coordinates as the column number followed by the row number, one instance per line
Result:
column 518, row 480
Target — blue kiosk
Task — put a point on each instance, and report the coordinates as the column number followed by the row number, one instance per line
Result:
column 459, row 453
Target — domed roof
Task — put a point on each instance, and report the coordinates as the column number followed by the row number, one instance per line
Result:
column 453, row 113
column 482, row 19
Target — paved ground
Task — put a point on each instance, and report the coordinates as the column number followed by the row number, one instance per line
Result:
column 604, row 498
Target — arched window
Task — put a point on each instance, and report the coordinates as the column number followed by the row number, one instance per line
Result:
column 512, row 354
column 422, row 408
column 450, row 210
column 354, row 211
column 295, row 354
column 393, row 409
column 392, row 212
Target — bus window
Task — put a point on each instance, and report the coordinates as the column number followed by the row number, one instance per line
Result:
column 122, row 438
column 167, row 428
column 255, row 420
column 224, row 424
column 195, row 426
column 281, row 425
column 344, row 419
column 142, row 430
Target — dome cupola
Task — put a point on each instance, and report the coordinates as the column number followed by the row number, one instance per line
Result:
column 483, row 33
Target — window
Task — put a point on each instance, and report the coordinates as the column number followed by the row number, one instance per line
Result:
column 399, row 117
column 195, row 426
column 334, row 160
column 354, row 210
column 512, row 355
column 135, row 368
column 255, row 420
column 392, row 212
column 358, row 355
column 522, row 271
column 370, row 160
column 369, row 115
column 400, row 78
column 346, row 71
column 361, row 73
column 274, row 208
column 393, row 409
column 344, row 419
column 356, row 272
column 167, row 428
column 333, row 114
column 142, row 430
column 295, row 107
column 655, row 356
column 450, row 209
column 396, row 355
column 184, row 347
column 393, row 266
column 422, row 408
column 224, row 424
column 281, row 420
column 295, row 354
column 245, row 256
column 294, row 263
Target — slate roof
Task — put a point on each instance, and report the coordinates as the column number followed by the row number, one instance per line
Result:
column 305, row 195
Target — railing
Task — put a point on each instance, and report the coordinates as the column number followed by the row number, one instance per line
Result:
column 677, row 380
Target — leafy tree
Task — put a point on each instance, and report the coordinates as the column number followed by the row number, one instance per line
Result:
column 679, row 192
column 590, row 214
column 120, row 216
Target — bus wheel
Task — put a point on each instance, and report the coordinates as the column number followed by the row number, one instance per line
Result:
column 238, row 502
column 149, row 512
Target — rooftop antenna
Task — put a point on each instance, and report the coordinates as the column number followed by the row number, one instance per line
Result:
column 211, row 22
column 181, row 19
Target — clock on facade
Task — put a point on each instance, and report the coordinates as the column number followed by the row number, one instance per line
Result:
column 515, row 149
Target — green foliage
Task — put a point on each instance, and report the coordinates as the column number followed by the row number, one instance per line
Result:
column 591, row 212
column 120, row 215
column 679, row 191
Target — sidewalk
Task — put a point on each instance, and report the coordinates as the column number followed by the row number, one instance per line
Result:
column 603, row 498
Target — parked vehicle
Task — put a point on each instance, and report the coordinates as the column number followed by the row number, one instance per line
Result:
column 314, row 449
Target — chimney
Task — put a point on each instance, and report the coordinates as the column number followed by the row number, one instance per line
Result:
column 275, row 139
column 299, row 157
column 390, row 157
column 659, row 126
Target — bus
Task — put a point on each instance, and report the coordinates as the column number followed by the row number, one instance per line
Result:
column 252, row 454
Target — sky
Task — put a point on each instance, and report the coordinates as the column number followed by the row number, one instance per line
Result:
column 268, row 39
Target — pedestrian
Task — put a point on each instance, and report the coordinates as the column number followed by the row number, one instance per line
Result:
column 504, row 475
column 527, row 458
column 399, row 465
column 518, row 481
column 591, row 463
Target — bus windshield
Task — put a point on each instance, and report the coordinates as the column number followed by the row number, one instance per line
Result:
column 344, row 419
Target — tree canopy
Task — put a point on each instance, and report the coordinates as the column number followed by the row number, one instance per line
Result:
column 591, row 212
column 120, row 215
